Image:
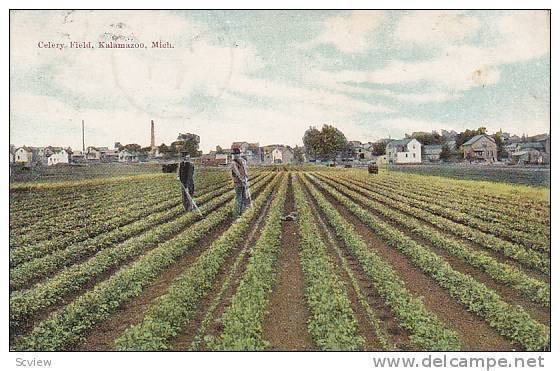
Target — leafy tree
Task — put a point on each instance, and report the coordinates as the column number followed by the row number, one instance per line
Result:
column 188, row 136
column 298, row 154
column 133, row 147
column 502, row 153
column 445, row 152
column 378, row 148
column 312, row 142
column 163, row 148
column 326, row 143
column 466, row 135
column 427, row 138
column 219, row 150
column 189, row 145
column 333, row 142
column 348, row 152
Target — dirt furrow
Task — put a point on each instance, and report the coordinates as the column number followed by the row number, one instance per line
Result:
column 285, row 325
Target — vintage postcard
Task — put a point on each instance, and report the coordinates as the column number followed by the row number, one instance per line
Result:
column 281, row 180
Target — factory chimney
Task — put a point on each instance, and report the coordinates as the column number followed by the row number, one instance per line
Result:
column 153, row 137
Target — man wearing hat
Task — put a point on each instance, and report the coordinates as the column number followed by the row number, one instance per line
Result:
column 185, row 175
column 240, row 175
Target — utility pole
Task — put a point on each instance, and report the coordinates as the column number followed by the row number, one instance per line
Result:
column 83, row 139
column 152, row 136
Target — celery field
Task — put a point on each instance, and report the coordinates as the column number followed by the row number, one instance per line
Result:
column 393, row 261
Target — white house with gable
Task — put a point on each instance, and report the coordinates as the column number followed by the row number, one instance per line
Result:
column 404, row 151
column 59, row 157
column 278, row 154
column 23, row 155
column 128, row 156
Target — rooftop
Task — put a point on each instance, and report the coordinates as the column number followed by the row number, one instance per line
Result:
column 400, row 142
column 476, row 138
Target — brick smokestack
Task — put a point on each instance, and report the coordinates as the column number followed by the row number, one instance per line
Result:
column 153, row 136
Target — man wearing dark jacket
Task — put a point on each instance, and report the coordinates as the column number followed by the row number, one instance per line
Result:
column 185, row 175
column 240, row 175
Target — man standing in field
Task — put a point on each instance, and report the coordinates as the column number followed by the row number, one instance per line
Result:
column 185, row 175
column 240, row 175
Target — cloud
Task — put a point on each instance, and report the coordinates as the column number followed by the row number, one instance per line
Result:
column 338, row 82
column 222, row 88
column 305, row 97
column 461, row 68
column 352, row 33
column 159, row 82
column 25, row 105
column 458, row 66
column 523, row 35
column 40, row 120
column 521, row 117
column 434, row 28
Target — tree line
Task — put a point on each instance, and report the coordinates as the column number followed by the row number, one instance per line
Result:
column 328, row 143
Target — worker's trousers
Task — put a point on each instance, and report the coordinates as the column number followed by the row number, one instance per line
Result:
column 241, row 201
column 186, row 202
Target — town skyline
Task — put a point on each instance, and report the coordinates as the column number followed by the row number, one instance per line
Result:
column 111, row 144
column 266, row 76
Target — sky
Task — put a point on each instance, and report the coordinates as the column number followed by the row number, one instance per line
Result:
column 267, row 76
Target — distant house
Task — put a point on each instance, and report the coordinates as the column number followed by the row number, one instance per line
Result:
column 480, row 148
column 250, row 151
column 282, row 155
column 41, row 154
column 528, row 156
column 544, row 139
column 58, row 157
column 449, row 135
column 213, row 158
column 109, row 155
column 514, row 139
column 431, row 152
column 278, row 154
column 208, row 159
column 93, row 154
column 379, row 159
column 142, row 156
column 222, row 159
column 452, row 145
column 361, row 151
column 128, row 156
column 404, row 151
column 78, row 157
column 535, row 150
column 23, row 155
